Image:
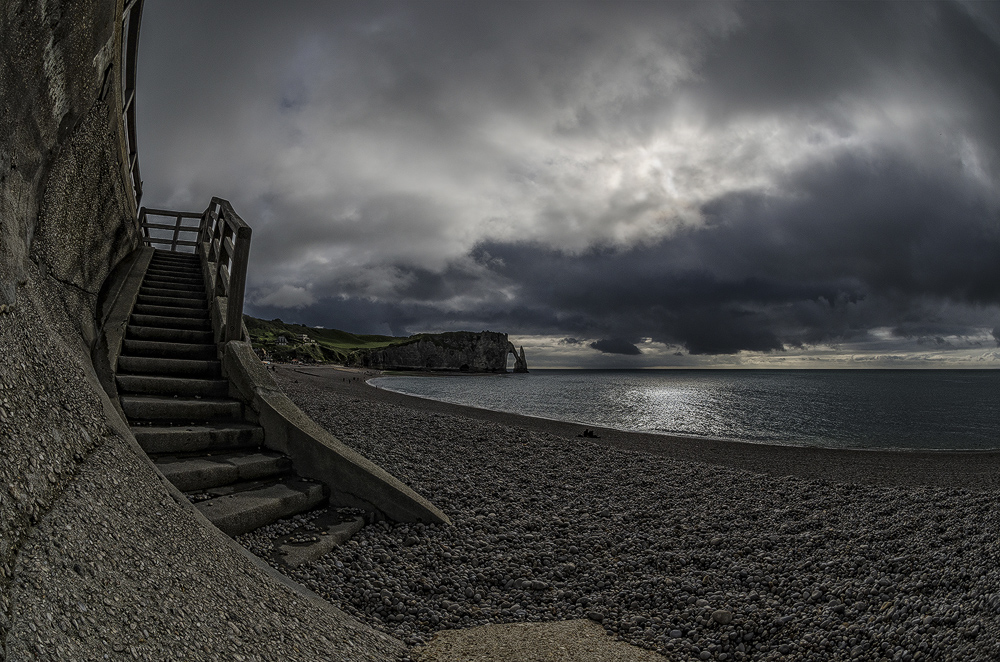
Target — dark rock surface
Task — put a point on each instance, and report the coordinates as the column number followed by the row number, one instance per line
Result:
column 520, row 363
column 462, row 351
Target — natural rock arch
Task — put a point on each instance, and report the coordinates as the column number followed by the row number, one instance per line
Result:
column 520, row 363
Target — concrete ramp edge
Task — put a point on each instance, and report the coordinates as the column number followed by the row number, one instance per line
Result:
column 353, row 480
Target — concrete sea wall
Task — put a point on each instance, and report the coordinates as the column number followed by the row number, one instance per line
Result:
column 64, row 222
column 96, row 558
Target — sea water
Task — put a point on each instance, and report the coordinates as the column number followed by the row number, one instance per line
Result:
column 899, row 409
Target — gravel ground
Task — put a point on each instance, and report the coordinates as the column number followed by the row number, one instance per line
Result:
column 694, row 560
column 580, row 640
column 115, row 570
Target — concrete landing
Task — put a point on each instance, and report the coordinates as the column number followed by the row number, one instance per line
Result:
column 303, row 547
column 562, row 641
column 244, row 510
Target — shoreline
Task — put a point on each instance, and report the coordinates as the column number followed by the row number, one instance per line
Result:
column 969, row 469
column 745, row 554
column 673, row 435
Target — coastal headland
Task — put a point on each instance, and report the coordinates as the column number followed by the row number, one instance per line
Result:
column 696, row 549
column 451, row 351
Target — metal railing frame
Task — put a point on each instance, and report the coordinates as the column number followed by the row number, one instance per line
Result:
column 227, row 237
column 130, row 20
column 177, row 227
column 226, row 234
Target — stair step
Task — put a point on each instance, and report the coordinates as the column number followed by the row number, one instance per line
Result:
column 158, row 275
column 171, row 301
column 149, row 365
column 189, row 258
column 187, row 264
column 182, row 271
column 171, row 279
column 170, row 322
column 188, row 290
column 176, row 292
column 153, row 384
column 162, row 407
column 196, row 438
column 169, row 350
column 168, row 335
column 186, row 258
column 200, row 473
column 168, row 375
column 170, row 311
column 245, row 510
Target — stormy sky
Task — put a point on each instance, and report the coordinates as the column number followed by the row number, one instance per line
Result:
column 613, row 184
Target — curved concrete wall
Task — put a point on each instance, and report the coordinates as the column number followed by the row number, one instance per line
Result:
column 96, row 557
column 65, row 220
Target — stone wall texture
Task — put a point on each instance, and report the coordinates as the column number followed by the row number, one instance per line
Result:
column 97, row 560
column 65, row 220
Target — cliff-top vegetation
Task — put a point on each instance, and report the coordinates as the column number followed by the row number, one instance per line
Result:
column 307, row 343
column 316, row 344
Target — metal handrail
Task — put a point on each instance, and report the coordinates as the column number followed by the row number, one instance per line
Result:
column 131, row 17
column 226, row 239
column 177, row 227
column 226, row 234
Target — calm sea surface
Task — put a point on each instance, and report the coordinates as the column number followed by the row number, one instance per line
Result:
column 908, row 409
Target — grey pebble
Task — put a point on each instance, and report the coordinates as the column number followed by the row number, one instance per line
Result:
column 547, row 528
column 722, row 617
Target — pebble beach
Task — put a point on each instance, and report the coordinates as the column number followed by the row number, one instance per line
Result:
column 694, row 549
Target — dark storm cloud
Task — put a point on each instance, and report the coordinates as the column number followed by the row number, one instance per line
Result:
column 615, row 346
column 861, row 244
column 715, row 176
column 817, row 59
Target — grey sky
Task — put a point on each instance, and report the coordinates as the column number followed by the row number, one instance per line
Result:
column 627, row 184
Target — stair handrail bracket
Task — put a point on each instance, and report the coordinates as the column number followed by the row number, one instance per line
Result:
column 225, row 238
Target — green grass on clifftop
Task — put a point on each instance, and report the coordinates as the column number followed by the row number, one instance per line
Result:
column 311, row 344
column 321, row 344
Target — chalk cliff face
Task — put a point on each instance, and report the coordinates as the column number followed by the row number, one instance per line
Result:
column 520, row 363
column 463, row 351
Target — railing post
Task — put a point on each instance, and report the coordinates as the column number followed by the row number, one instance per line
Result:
column 177, row 233
column 205, row 228
column 143, row 230
column 237, row 283
column 129, row 25
column 228, row 238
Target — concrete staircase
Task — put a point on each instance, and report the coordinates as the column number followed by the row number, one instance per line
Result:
column 171, row 388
